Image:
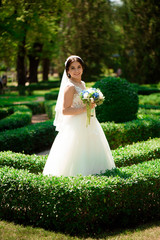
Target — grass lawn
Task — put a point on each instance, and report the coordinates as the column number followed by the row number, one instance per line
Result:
column 11, row 231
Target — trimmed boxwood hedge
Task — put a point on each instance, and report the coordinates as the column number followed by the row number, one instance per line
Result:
column 51, row 95
column 137, row 153
column 50, row 108
column 39, row 137
column 127, row 133
column 152, row 99
column 146, row 89
column 29, row 139
column 128, row 195
column 21, row 116
column 4, row 112
column 126, row 156
column 121, row 100
column 36, row 107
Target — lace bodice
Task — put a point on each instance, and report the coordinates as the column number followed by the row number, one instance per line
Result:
column 77, row 102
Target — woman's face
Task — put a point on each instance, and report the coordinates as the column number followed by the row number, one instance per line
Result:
column 75, row 70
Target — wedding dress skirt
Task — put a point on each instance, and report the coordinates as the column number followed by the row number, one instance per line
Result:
column 78, row 149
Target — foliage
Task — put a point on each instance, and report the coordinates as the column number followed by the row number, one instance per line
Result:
column 89, row 203
column 36, row 107
column 152, row 99
column 139, row 53
column 29, row 139
column 20, row 117
column 124, row 156
column 137, row 153
column 35, row 137
column 4, row 112
column 87, row 30
column 130, row 132
column 51, row 95
column 121, row 100
column 50, row 108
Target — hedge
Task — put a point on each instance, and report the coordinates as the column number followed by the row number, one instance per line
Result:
column 39, row 137
column 21, row 116
column 4, row 112
column 147, row 89
column 127, row 133
column 38, row 86
column 50, row 108
column 51, row 95
column 126, row 156
column 137, row 153
column 29, row 139
column 36, row 107
column 128, row 195
column 121, row 100
column 143, row 113
column 152, row 99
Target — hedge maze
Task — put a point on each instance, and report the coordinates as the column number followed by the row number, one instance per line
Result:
column 125, row 196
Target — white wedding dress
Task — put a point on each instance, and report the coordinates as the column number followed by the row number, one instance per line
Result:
column 78, row 149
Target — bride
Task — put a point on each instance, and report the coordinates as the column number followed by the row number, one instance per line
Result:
column 77, row 149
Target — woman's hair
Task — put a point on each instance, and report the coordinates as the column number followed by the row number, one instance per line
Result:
column 71, row 60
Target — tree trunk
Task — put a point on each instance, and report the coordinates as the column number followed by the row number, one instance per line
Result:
column 46, row 64
column 34, row 58
column 21, row 73
column 33, row 68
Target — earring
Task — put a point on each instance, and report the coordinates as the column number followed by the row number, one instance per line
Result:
column 69, row 75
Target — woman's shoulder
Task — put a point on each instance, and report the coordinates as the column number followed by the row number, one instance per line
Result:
column 70, row 87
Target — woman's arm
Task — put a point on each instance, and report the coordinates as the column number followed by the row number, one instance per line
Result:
column 67, row 103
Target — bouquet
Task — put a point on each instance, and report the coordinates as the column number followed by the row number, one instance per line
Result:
column 91, row 95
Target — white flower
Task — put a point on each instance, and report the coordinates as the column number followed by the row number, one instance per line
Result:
column 85, row 95
column 101, row 96
column 92, row 100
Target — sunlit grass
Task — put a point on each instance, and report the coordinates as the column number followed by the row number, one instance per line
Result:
column 11, row 231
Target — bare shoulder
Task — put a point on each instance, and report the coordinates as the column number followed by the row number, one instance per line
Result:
column 70, row 89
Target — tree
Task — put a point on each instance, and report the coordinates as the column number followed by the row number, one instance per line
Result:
column 87, row 30
column 28, row 24
column 140, row 53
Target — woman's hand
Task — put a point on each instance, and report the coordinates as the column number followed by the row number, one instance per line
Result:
column 92, row 105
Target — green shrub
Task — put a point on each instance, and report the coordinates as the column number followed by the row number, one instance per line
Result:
column 126, row 156
column 137, row 152
column 21, row 117
column 4, row 112
column 121, row 100
column 152, row 99
column 128, row 195
column 32, row 163
column 37, row 86
column 50, row 108
column 149, row 106
column 43, row 85
column 27, row 139
column 146, row 89
column 51, row 95
column 146, row 113
column 30, row 139
column 127, row 133
column 36, row 107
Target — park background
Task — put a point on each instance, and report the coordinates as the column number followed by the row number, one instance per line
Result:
column 120, row 45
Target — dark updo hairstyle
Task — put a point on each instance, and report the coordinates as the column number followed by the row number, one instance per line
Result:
column 71, row 60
